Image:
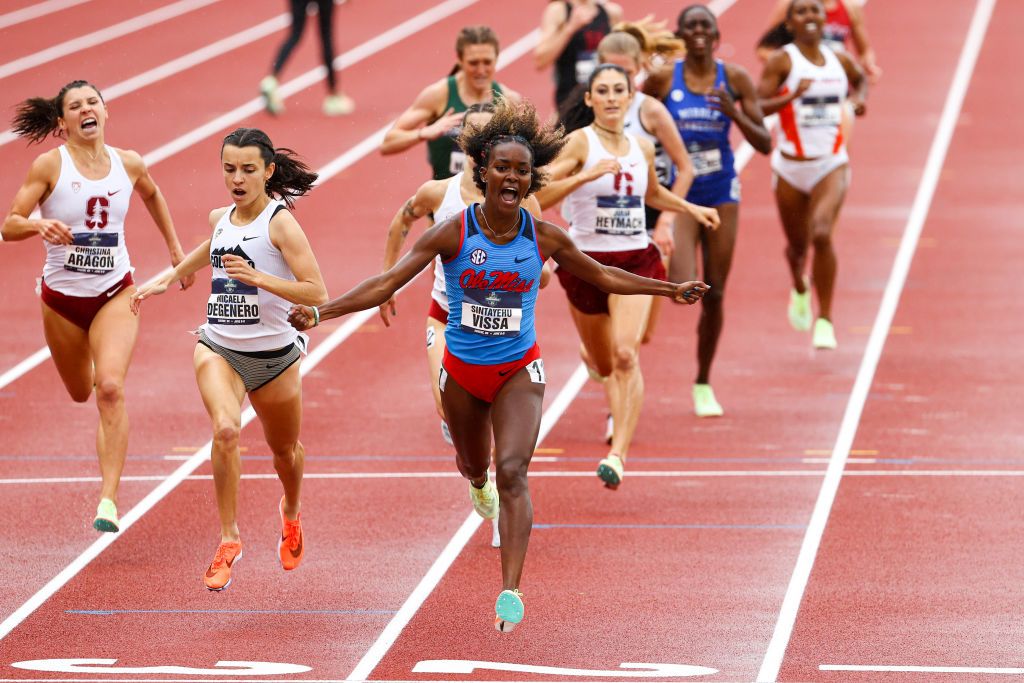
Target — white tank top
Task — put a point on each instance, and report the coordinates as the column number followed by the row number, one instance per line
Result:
column 810, row 124
column 451, row 205
column 241, row 317
column 95, row 210
column 607, row 214
column 633, row 124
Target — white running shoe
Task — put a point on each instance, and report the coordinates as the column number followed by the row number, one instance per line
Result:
column 271, row 98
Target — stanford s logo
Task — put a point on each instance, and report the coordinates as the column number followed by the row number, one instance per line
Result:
column 478, row 257
column 97, row 211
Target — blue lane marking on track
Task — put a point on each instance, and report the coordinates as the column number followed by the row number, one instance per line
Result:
column 109, row 612
column 793, row 527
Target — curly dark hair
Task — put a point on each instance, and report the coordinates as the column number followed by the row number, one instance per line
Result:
column 513, row 123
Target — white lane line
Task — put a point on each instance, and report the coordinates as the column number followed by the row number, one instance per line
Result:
column 876, row 342
column 923, row 669
column 91, row 40
column 385, row 40
column 540, row 474
column 35, row 11
column 175, row 66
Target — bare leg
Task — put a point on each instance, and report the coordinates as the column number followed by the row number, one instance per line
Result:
column 825, row 202
column 628, row 320
column 435, row 354
column 718, row 248
column 793, row 205
column 69, row 346
column 279, row 407
column 223, row 392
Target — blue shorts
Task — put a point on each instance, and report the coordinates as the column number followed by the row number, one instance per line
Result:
column 715, row 189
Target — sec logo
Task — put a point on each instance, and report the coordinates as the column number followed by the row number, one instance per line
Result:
column 478, row 257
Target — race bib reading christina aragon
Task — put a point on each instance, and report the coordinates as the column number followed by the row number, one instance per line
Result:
column 91, row 252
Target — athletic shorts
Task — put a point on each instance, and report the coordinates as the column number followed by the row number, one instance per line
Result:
column 257, row 368
column 586, row 298
column 81, row 310
column 805, row 175
column 485, row 381
column 436, row 312
column 719, row 188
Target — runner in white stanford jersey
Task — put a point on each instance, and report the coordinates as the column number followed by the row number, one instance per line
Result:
column 807, row 84
column 83, row 189
column 262, row 264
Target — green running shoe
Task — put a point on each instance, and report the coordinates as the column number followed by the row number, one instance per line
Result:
column 106, row 516
column 704, row 403
column 824, row 334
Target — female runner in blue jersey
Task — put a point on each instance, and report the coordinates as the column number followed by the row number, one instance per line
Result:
column 705, row 97
column 492, row 378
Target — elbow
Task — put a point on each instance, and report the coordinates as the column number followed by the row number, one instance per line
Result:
column 321, row 297
column 764, row 145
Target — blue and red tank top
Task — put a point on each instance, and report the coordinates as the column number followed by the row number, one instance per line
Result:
column 705, row 130
column 492, row 291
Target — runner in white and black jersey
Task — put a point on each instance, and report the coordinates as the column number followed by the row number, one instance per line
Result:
column 83, row 189
column 262, row 264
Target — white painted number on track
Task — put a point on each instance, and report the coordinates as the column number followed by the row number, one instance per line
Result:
column 106, row 666
column 632, row 669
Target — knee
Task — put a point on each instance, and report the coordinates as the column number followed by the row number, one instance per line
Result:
column 285, row 456
column 713, row 298
column 625, row 358
column 108, row 391
column 822, row 232
column 511, row 476
column 226, row 433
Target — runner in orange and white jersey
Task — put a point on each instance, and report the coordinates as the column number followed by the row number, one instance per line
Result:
column 807, row 84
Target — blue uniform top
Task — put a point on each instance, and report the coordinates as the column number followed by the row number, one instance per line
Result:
column 492, row 290
column 705, row 131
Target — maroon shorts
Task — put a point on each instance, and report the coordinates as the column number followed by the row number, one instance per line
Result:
column 485, row 381
column 82, row 309
column 436, row 312
column 586, row 298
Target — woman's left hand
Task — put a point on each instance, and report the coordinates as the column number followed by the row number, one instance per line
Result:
column 689, row 292
column 705, row 215
column 721, row 99
column 239, row 269
column 301, row 317
column 859, row 106
column 177, row 256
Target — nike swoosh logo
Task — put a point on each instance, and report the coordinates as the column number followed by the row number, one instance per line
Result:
column 111, row 194
column 273, row 365
column 244, row 239
column 298, row 549
column 110, row 294
column 520, row 260
column 211, row 572
column 505, row 372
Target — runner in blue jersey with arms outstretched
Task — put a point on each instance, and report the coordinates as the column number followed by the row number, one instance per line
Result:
column 492, row 379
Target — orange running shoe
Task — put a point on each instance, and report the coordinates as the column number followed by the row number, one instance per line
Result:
column 290, row 547
column 218, row 576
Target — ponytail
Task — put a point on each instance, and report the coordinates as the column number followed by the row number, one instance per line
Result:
column 38, row 117
column 292, row 177
column 776, row 37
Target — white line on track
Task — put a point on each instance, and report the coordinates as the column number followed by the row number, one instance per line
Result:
column 387, row 39
column 91, row 40
column 35, row 11
column 175, row 66
column 514, row 51
column 883, row 668
column 540, row 474
column 876, row 342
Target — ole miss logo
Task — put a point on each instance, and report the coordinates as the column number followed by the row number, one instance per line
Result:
column 96, row 213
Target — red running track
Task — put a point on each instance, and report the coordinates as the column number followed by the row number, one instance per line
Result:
column 698, row 575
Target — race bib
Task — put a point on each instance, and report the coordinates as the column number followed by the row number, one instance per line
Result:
column 492, row 313
column 706, row 157
column 233, row 303
column 585, row 65
column 815, row 112
column 91, row 252
column 663, row 167
column 620, row 214
column 456, row 162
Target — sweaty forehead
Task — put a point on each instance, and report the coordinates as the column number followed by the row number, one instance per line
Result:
column 479, row 51
column 241, row 156
column 511, row 152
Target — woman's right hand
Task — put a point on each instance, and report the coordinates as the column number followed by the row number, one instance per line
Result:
column 301, row 317
column 387, row 309
column 54, row 231
column 600, row 168
column 152, row 289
